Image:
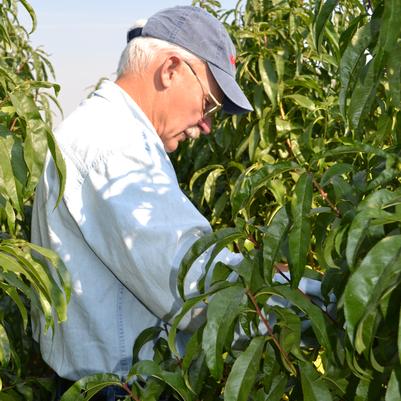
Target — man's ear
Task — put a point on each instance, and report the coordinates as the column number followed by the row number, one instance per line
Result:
column 169, row 70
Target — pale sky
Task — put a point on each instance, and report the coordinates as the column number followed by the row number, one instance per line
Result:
column 84, row 38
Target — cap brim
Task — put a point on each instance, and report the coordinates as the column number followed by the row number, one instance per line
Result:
column 235, row 102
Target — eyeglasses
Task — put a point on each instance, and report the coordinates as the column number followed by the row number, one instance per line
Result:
column 212, row 105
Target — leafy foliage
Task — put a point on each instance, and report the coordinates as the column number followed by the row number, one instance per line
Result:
column 309, row 180
column 30, row 276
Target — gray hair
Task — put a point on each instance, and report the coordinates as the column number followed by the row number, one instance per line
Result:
column 140, row 51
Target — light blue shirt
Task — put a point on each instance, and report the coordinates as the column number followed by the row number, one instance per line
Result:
column 122, row 229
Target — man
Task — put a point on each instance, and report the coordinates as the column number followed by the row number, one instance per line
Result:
column 124, row 225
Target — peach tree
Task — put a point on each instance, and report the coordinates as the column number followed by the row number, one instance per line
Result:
column 309, row 180
column 26, row 279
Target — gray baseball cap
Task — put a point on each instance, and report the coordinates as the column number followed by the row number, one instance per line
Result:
column 197, row 31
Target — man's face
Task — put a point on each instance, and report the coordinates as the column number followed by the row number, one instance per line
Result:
column 194, row 93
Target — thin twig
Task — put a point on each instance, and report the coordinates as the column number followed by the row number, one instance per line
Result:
column 13, row 124
column 252, row 239
column 269, row 328
column 129, row 392
column 325, row 197
column 282, row 112
column 323, row 194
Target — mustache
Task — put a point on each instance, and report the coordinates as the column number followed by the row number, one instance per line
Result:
column 193, row 132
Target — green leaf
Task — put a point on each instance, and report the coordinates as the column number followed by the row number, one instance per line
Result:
column 354, row 147
column 194, row 363
column 10, row 262
column 336, row 169
column 35, row 141
column 285, row 126
column 290, row 331
column 354, row 51
column 58, row 162
column 273, row 238
column 394, row 76
column 278, row 386
column 176, row 382
column 220, row 273
column 380, row 199
column 145, row 336
column 243, row 373
column 253, row 142
column 145, row 368
column 271, row 368
column 220, row 205
column 393, row 392
column 153, row 390
column 223, row 309
column 186, row 307
column 31, row 13
column 358, row 231
column 306, row 81
column 202, row 171
column 15, row 280
column 399, row 333
column 302, row 101
column 173, row 379
column 39, row 137
column 210, row 185
column 300, row 232
column 12, row 292
column 250, row 181
column 321, row 20
column 4, row 346
column 378, row 272
column 7, row 179
column 57, row 264
column 385, row 177
column 313, row 312
column 269, row 80
column 313, row 387
column 18, row 260
column 362, row 390
column 390, row 26
column 363, row 94
column 87, row 387
column 222, row 237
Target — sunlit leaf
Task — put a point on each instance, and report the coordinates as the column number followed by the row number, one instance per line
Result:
column 313, row 387
column 4, row 346
column 31, row 13
column 273, row 238
column 269, row 80
column 354, row 51
column 252, row 180
column 393, row 392
column 322, row 18
column 300, row 232
column 362, row 95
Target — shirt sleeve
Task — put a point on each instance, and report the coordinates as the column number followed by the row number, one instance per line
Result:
column 139, row 223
